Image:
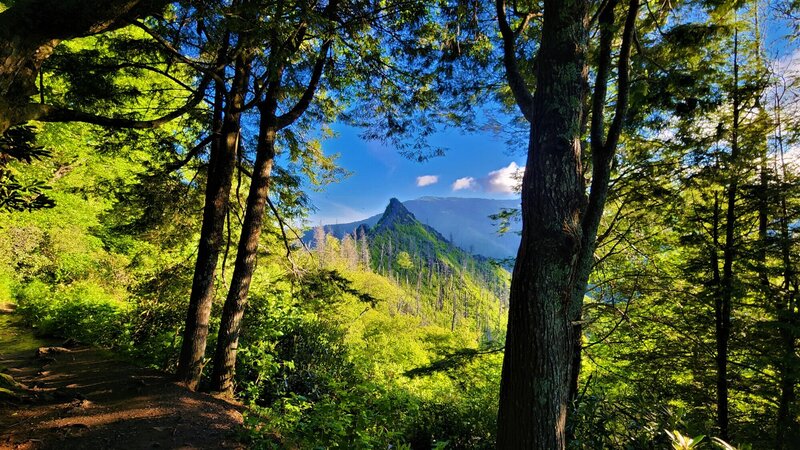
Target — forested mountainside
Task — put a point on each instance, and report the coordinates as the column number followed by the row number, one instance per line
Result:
column 444, row 280
column 465, row 222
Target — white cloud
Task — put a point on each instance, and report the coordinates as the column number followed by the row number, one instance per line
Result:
column 504, row 180
column 465, row 183
column 427, row 180
column 788, row 66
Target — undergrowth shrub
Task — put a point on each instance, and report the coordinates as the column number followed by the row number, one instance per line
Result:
column 7, row 284
column 303, row 389
column 158, row 312
column 83, row 311
column 306, row 387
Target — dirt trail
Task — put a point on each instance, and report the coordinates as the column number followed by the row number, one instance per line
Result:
column 84, row 398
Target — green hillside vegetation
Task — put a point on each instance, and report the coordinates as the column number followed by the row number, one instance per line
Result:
column 449, row 286
column 329, row 347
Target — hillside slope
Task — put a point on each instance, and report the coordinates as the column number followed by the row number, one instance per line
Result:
column 453, row 283
column 463, row 221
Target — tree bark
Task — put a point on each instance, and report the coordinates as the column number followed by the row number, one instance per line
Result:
column 559, row 226
column 723, row 305
column 534, row 387
column 269, row 125
column 787, row 317
column 603, row 148
column 220, row 177
column 233, row 311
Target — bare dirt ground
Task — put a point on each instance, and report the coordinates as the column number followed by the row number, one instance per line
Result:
column 85, row 398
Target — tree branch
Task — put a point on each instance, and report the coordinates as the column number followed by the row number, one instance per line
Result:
column 302, row 104
column 516, row 82
column 190, row 154
column 51, row 113
column 602, row 152
column 623, row 76
column 283, row 231
column 31, row 29
column 199, row 66
column 606, row 24
column 525, row 21
column 66, row 19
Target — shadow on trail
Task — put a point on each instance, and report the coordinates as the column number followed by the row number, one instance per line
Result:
column 84, row 398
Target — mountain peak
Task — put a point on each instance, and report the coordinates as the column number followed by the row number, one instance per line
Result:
column 395, row 213
column 395, row 203
column 464, row 221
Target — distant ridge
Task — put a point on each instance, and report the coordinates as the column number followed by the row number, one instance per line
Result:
column 462, row 221
column 444, row 283
column 399, row 236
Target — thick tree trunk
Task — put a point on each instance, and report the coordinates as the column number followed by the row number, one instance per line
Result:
column 217, row 196
column 534, row 391
column 230, row 326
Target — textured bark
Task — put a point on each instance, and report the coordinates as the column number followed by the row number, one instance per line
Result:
column 30, row 30
column 233, row 310
column 603, row 147
column 537, row 364
column 220, row 176
column 270, row 124
column 559, row 227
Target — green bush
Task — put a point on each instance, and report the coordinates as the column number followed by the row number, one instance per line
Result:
column 158, row 312
column 34, row 301
column 7, row 283
column 83, row 311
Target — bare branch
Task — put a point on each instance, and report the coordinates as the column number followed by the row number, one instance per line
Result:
column 305, row 100
column 516, row 82
column 189, row 155
column 51, row 113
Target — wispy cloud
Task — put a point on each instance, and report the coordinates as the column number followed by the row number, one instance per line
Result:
column 465, row 183
column 427, row 180
column 506, row 180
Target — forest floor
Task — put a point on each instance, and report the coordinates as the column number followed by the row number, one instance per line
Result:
column 79, row 397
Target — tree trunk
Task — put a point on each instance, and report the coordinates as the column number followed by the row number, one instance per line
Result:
column 220, row 177
column 787, row 430
column 230, row 327
column 534, row 390
column 724, row 304
column 787, row 315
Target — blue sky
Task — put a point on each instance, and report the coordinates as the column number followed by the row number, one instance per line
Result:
column 481, row 161
column 476, row 164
